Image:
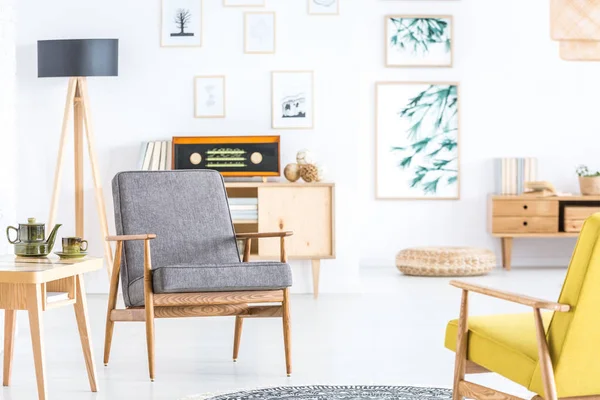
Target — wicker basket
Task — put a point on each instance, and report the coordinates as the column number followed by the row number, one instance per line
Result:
column 589, row 185
column 445, row 261
column 575, row 19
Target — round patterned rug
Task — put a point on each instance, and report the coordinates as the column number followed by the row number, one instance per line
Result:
column 333, row 393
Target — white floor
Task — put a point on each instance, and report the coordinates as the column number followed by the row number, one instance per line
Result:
column 390, row 334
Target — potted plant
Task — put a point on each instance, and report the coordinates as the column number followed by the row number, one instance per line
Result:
column 589, row 182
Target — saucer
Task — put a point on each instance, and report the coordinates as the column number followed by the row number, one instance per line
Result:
column 70, row 255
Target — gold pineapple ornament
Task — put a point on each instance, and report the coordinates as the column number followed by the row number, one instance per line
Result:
column 310, row 173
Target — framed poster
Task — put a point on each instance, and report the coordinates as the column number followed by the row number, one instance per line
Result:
column 181, row 23
column 259, row 32
column 292, row 99
column 417, row 140
column 209, row 97
column 243, row 3
column 418, row 41
column 324, row 7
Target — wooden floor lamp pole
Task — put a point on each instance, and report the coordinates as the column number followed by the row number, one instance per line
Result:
column 78, row 103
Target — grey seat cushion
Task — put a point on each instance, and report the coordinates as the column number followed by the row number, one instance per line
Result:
column 215, row 278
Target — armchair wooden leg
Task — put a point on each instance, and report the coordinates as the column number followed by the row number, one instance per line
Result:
column 149, row 306
column 461, row 347
column 112, row 302
column 237, row 336
column 287, row 334
column 545, row 360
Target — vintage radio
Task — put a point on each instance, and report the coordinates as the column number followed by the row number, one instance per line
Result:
column 233, row 156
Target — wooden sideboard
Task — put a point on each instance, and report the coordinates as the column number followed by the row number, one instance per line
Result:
column 538, row 217
column 308, row 209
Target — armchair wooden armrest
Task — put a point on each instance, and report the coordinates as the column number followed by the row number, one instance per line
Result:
column 513, row 297
column 119, row 238
column 259, row 235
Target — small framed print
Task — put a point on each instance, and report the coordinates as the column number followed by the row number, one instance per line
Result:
column 323, row 7
column 292, row 99
column 209, row 97
column 243, row 3
column 418, row 41
column 259, row 32
column 181, row 23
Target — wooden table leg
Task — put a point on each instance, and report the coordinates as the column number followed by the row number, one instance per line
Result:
column 83, row 325
column 506, row 252
column 36, row 325
column 316, row 272
column 9, row 344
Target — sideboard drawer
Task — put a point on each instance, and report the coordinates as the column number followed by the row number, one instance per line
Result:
column 525, row 225
column 573, row 212
column 517, row 208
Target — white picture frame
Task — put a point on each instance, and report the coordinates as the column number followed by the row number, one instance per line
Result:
column 243, row 3
column 419, row 40
column 323, row 7
column 181, row 23
column 209, row 96
column 417, row 141
column 292, row 99
column 260, row 32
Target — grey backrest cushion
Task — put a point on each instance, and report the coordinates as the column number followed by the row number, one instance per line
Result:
column 187, row 210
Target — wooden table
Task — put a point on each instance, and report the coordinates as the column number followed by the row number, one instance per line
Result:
column 526, row 216
column 37, row 285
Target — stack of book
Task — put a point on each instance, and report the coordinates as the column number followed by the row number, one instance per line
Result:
column 512, row 173
column 244, row 209
column 155, row 156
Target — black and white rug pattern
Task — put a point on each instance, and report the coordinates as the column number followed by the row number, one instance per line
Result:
column 321, row 392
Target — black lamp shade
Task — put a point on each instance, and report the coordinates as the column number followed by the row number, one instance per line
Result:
column 78, row 57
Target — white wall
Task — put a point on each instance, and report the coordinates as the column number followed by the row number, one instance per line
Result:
column 8, row 67
column 152, row 98
column 518, row 99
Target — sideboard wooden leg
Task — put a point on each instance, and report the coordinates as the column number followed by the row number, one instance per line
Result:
column 316, row 272
column 507, row 243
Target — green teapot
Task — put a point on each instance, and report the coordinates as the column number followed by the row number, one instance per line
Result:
column 30, row 240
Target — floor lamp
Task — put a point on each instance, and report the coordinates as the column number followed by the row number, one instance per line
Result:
column 78, row 59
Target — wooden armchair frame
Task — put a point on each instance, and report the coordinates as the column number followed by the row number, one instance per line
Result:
column 202, row 304
column 462, row 366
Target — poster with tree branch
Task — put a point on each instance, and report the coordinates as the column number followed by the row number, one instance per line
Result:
column 418, row 41
column 181, row 23
column 417, row 141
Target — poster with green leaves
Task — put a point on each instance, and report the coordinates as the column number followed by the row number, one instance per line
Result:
column 417, row 146
column 418, row 41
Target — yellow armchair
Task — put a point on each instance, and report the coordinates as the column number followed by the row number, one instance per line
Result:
column 555, row 353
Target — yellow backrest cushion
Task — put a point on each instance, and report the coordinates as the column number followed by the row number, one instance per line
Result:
column 574, row 337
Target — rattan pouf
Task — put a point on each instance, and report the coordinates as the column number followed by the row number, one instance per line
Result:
column 445, row 261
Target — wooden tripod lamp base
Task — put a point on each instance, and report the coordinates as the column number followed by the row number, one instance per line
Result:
column 78, row 103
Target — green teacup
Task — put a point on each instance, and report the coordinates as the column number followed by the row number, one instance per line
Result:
column 74, row 245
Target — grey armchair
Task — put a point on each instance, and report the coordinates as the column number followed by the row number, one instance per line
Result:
column 194, row 268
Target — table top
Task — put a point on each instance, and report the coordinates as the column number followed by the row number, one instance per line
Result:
column 44, row 269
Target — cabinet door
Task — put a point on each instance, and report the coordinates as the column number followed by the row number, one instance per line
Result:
column 308, row 211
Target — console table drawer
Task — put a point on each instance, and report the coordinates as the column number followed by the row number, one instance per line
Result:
column 517, row 208
column 525, row 225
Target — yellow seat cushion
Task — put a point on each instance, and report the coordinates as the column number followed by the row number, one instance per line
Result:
column 505, row 344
